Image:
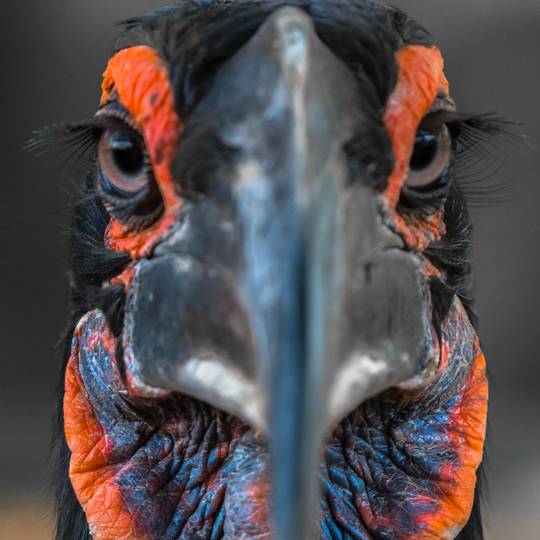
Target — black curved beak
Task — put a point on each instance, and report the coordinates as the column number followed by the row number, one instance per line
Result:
column 281, row 297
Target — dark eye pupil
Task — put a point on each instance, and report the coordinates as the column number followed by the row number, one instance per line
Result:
column 425, row 150
column 127, row 154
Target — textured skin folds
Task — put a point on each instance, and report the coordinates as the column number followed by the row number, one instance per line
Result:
column 400, row 467
column 145, row 472
column 404, row 466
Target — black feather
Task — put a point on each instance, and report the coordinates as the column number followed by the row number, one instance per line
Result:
column 91, row 264
column 71, row 521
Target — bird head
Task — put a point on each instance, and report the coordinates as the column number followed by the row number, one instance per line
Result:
column 270, row 336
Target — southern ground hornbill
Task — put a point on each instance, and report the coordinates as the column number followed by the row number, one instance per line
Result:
column 271, row 334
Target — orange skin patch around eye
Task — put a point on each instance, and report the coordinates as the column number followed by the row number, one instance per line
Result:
column 140, row 80
column 421, row 78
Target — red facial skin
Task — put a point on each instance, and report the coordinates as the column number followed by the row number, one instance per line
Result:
column 421, row 80
column 139, row 79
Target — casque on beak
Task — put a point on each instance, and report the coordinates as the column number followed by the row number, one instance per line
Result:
column 281, row 296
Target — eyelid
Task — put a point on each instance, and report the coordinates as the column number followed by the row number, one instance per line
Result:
column 434, row 121
column 442, row 112
column 114, row 114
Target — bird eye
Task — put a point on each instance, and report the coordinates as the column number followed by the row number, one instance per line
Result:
column 430, row 160
column 123, row 162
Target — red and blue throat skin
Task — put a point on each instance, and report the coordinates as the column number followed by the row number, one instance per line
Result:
column 394, row 469
column 140, row 462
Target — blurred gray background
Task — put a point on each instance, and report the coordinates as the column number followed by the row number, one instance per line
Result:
column 53, row 53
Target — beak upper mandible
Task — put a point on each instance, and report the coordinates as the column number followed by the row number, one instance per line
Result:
column 274, row 298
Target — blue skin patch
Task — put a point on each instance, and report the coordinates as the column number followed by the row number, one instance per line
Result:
column 188, row 471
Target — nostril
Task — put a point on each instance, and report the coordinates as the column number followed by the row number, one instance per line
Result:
column 368, row 271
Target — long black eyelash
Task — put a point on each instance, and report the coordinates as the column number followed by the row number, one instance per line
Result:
column 483, row 142
column 76, row 142
column 481, row 145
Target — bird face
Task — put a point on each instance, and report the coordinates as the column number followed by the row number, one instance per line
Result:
column 270, row 341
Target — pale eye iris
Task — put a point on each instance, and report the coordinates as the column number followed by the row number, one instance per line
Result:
column 122, row 161
column 431, row 157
